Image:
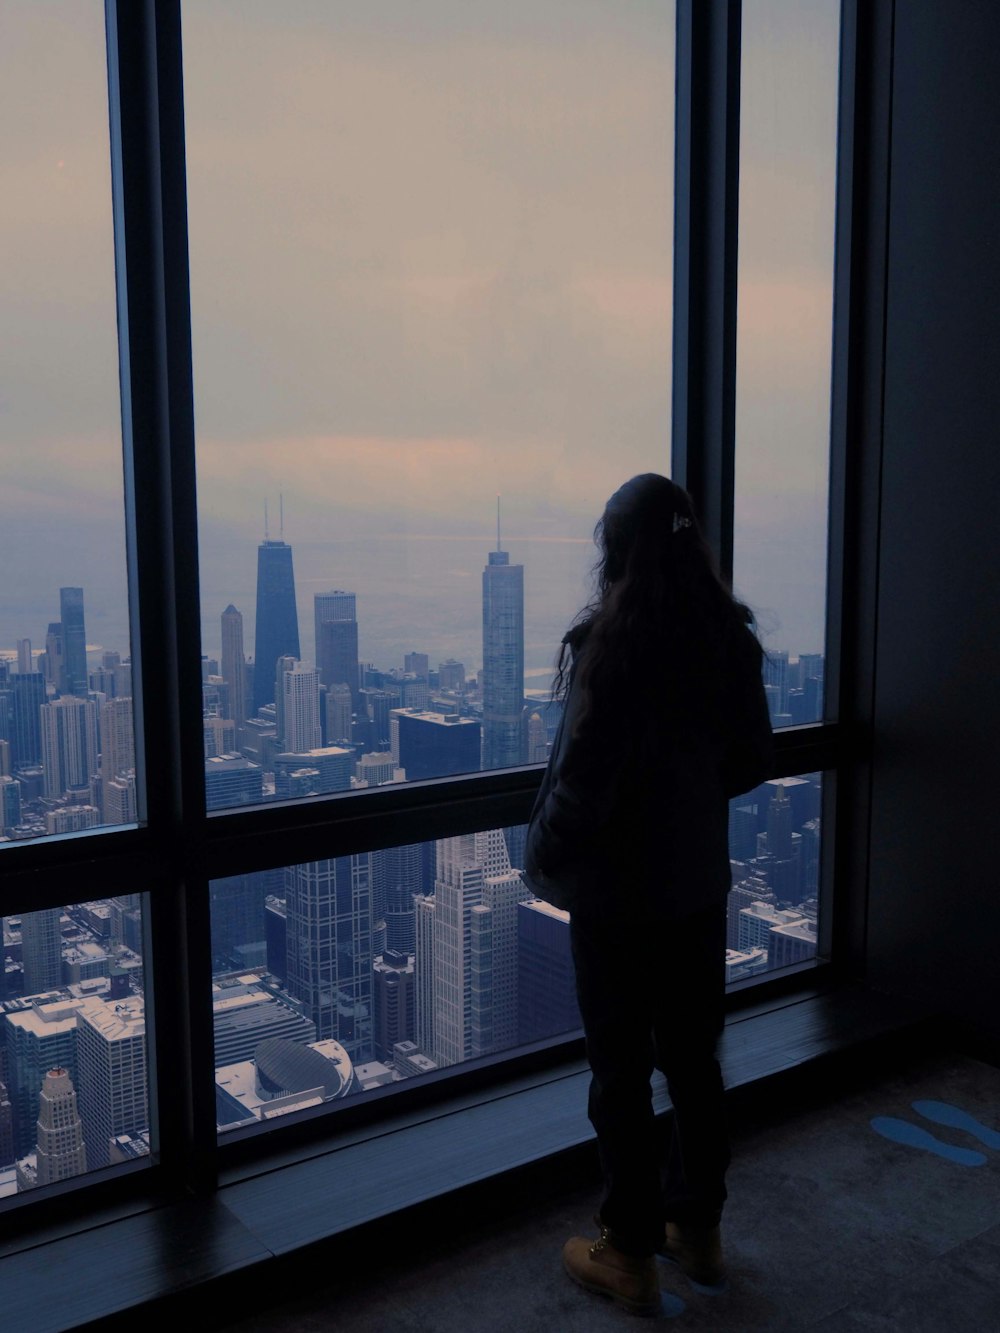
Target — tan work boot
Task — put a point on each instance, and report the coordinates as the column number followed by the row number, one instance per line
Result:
column 598, row 1266
column 698, row 1252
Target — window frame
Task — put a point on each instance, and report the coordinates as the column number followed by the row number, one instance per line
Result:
column 180, row 847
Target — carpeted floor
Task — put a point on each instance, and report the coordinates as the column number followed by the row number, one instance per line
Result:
column 832, row 1224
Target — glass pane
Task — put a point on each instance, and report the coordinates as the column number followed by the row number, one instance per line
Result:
column 431, row 265
column 74, row 1090
column 67, row 754
column 774, row 846
column 335, row 977
column 339, row 976
column 788, row 129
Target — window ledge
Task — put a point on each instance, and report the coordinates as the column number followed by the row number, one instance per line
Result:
column 254, row 1220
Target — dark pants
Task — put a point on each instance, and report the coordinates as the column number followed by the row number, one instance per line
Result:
column 652, row 995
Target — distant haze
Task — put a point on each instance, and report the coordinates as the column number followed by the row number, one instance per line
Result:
column 431, row 262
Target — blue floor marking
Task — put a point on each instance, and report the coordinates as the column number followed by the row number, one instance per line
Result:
column 718, row 1290
column 901, row 1131
column 943, row 1113
column 671, row 1305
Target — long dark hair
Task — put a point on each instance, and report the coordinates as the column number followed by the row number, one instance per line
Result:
column 662, row 618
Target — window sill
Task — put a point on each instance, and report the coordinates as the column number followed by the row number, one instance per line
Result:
column 255, row 1220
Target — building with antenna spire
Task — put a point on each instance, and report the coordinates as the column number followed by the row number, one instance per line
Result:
column 502, row 682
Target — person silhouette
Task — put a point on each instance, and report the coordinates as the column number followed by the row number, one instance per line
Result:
column 664, row 719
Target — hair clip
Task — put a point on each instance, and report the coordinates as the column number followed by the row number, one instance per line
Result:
column 681, row 522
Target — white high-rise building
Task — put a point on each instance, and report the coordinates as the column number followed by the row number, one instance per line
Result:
column 299, row 708
column 119, row 800
column 69, row 744
column 466, row 959
column 60, row 1150
column 376, row 769
column 111, row 1072
column 117, row 737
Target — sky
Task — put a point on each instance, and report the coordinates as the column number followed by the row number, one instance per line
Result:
column 431, row 263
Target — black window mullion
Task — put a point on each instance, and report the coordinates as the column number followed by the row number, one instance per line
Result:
column 863, row 167
column 706, row 204
column 147, row 137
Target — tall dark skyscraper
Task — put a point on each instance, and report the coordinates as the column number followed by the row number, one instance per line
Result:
column 277, row 631
column 504, row 728
column 329, row 948
column 336, row 625
column 74, row 640
column 27, row 695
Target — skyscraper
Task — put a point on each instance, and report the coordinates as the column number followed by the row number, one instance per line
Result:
column 27, row 695
column 111, row 1072
column 466, row 959
column 117, row 737
column 299, row 725
column 277, row 628
column 118, row 796
column 546, row 987
column 504, row 729
column 338, row 714
column 336, row 625
column 55, row 657
column 397, row 877
column 329, row 952
column 538, row 741
column 10, row 803
column 234, row 663
column 69, row 744
column 393, row 1001
column 74, row 637
column 59, row 1145
column 41, row 950
column 333, row 605
column 39, row 1037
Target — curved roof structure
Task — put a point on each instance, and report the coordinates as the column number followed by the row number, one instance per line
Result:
column 285, row 1066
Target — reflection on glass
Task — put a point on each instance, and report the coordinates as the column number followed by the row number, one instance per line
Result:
column 774, row 848
column 428, row 269
column 67, row 753
column 74, row 1091
column 788, row 129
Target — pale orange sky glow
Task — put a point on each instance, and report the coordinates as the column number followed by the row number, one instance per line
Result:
column 431, row 258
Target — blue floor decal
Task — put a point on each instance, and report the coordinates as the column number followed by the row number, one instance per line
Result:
column 943, row 1113
column 671, row 1305
column 912, row 1136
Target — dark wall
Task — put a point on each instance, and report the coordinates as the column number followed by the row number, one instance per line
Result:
column 934, row 906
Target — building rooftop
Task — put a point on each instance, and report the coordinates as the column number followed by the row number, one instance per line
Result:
column 115, row 1020
column 543, row 908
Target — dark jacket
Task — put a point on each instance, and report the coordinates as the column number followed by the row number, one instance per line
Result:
column 640, row 818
